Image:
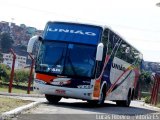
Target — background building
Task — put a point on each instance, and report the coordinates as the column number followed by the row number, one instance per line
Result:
column 19, row 63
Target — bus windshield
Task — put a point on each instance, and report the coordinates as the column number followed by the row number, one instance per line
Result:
column 66, row 59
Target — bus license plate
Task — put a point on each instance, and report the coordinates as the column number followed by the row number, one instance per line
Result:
column 60, row 91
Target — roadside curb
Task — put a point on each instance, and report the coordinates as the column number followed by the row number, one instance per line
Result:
column 150, row 106
column 13, row 113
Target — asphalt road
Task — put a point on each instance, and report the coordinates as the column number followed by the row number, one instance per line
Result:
column 71, row 109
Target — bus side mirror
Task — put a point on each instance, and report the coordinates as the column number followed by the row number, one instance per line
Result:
column 31, row 43
column 99, row 54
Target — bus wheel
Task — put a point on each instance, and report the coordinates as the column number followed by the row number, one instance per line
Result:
column 53, row 99
column 102, row 97
column 101, row 100
column 92, row 102
column 124, row 103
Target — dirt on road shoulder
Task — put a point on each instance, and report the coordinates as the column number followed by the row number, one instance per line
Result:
column 7, row 104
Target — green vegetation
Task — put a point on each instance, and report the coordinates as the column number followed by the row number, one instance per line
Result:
column 146, row 84
column 21, row 76
column 145, row 81
column 158, row 105
column 8, row 104
column 20, row 81
column 4, row 73
column 23, row 47
column 6, row 41
column 147, row 99
column 1, row 57
column 14, row 90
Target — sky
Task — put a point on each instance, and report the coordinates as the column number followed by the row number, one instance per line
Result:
column 137, row 21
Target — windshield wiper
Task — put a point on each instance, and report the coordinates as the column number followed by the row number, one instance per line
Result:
column 60, row 59
column 73, row 69
column 68, row 59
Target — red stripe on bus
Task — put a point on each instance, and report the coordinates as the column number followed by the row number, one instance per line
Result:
column 46, row 78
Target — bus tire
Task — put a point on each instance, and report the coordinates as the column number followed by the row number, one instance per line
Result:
column 133, row 94
column 124, row 103
column 92, row 102
column 101, row 100
column 102, row 96
column 53, row 99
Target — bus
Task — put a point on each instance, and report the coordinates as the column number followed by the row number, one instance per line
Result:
column 84, row 61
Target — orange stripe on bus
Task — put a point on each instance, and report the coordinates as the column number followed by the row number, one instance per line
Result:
column 96, row 92
column 97, row 86
column 46, row 78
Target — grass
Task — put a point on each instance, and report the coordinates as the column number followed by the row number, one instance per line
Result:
column 7, row 104
column 20, row 84
column 158, row 105
column 14, row 90
column 146, row 95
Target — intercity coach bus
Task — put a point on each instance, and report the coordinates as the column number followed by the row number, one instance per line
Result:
column 84, row 61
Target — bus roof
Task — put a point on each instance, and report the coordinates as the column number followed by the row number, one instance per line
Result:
column 71, row 22
column 73, row 32
column 98, row 26
column 117, row 33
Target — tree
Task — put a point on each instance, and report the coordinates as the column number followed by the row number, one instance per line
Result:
column 21, row 76
column 6, row 41
column 145, row 80
column 1, row 57
column 4, row 73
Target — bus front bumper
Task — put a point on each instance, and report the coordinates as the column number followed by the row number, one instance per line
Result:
column 79, row 93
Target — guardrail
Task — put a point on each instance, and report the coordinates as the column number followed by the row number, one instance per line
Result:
column 12, row 71
column 155, row 89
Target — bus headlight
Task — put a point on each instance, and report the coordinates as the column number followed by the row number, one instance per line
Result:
column 39, row 81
